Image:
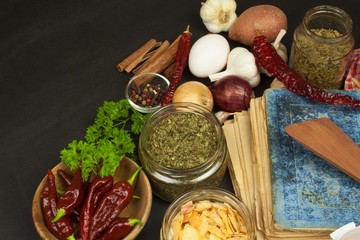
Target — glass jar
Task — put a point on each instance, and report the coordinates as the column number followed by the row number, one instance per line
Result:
column 181, row 147
column 213, row 195
column 322, row 46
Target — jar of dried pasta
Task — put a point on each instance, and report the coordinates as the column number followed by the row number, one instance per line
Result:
column 208, row 213
column 322, row 46
column 181, row 147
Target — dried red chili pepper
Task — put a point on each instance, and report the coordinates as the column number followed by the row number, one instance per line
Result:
column 62, row 229
column 181, row 57
column 112, row 204
column 120, row 228
column 64, row 176
column 267, row 57
column 97, row 189
column 72, row 197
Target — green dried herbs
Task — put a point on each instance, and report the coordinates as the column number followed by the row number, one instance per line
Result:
column 182, row 147
column 322, row 61
column 182, row 141
column 326, row 33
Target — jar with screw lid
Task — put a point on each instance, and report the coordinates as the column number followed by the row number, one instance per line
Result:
column 322, row 46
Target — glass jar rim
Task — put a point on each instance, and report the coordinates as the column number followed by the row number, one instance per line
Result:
column 212, row 194
column 339, row 15
column 151, row 76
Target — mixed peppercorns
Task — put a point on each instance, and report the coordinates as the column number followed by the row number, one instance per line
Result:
column 148, row 95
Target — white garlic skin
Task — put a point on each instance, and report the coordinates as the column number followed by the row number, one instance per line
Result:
column 218, row 15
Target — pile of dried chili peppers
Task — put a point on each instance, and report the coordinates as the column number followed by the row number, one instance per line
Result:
column 267, row 57
column 92, row 206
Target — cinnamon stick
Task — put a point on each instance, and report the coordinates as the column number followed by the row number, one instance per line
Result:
column 163, row 47
column 135, row 56
column 168, row 72
column 158, row 64
column 142, row 58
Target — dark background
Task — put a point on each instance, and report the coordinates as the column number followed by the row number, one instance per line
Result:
column 57, row 66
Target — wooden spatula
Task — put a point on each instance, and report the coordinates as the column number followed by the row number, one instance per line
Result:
column 327, row 140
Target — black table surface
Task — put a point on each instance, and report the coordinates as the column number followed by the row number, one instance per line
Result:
column 57, row 66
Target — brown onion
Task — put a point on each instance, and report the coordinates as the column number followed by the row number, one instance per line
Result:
column 195, row 92
column 231, row 93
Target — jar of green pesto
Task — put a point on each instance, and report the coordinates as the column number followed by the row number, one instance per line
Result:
column 181, row 147
column 322, row 46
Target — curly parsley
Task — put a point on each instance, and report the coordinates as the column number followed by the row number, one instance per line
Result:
column 106, row 142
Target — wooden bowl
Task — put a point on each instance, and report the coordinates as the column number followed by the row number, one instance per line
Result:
column 138, row 208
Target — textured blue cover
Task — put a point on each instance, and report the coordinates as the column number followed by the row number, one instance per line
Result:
column 307, row 191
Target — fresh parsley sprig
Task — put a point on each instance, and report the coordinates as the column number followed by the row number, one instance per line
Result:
column 106, row 142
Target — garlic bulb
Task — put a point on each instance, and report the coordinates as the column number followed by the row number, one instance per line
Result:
column 218, row 15
column 241, row 62
column 280, row 49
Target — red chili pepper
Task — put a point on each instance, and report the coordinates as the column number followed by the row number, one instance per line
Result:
column 181, row 57
column 112, row 204
column 62, row 229
column 97, row 189
column 267, row 57
column 120, row 228
column 75, row 215
column 72, row 197
column 64, row 176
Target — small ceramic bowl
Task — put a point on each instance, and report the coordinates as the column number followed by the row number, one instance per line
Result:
column 145, row 91
column 138, row 208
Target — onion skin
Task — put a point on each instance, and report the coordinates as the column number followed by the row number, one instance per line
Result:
column 194, row 92
column 231, row 94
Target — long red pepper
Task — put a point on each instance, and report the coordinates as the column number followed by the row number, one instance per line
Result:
column 120, row 228
column 64, row 176
column 97, row 189
column 267, row 57
column 112, row 204
column 72, row 197
column 181, row 57
column 62, row 229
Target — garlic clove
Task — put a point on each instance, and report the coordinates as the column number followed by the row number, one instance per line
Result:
column 280, row 49
column 254, row 80
column 241, row 62
column 222, row 116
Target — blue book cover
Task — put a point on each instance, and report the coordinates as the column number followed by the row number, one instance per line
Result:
column 309, row 193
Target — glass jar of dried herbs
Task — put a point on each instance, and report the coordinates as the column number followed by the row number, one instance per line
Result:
column 322, row 46
column 181, row 147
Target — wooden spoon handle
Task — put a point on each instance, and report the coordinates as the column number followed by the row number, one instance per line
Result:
column 327, row 140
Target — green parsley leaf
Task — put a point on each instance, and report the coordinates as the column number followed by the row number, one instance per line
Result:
column 106, row 141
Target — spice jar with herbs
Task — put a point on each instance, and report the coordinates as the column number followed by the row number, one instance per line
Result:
column 181, row 147
column 322, row 46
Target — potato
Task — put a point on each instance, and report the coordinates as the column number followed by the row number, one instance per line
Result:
column 264, row 20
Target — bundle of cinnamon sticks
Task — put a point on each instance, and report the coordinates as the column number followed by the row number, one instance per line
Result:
column 154, row 56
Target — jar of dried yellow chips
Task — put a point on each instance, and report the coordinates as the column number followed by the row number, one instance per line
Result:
column 207, row 213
